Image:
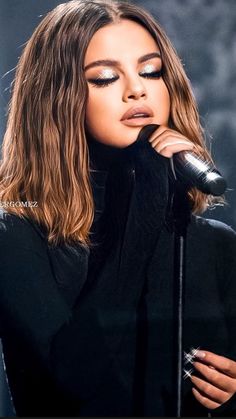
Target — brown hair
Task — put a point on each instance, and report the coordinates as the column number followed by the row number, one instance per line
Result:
column 44, row 153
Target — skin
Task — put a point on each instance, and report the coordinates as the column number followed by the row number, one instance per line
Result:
column 218, row 382
column 126, row 42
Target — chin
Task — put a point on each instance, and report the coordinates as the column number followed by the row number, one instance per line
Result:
column 119, row 142
column 121, row 139
column 123, row 144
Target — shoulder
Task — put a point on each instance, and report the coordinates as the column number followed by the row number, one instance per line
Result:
column 24, row 234
column 10, row 223
column 18, row 231
column 215, row 234
column 213, row 227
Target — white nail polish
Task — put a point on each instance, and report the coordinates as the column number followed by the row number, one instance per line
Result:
column 200, row 354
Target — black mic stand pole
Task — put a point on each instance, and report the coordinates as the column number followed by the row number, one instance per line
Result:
column 181, row 217
column 187, row 170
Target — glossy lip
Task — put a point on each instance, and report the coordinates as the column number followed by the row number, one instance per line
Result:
column 135, row 110
column 137, row 122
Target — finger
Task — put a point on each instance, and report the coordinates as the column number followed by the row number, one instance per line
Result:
column 164, row 133
column 209, row 404
column 212, row 392
column 159, row 131
column 221, row 363
column 216, row 378
column 177, row 144
column 168, row 149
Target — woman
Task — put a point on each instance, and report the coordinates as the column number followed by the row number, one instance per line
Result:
column 87, row 319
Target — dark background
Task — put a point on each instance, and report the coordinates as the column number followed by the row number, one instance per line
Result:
column 204, row 35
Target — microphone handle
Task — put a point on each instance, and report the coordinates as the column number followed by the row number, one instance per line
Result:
column 192, row 171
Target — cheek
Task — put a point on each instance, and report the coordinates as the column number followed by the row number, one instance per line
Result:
column 165, row 95
column 161, row 101
column 92, row 109
column 103, row 114
column 99, row 110
column 166, row 98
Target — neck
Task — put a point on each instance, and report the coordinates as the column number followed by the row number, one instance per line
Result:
column 101, row 156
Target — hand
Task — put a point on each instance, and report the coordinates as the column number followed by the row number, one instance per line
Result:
column 167, row 141
column 218, row 382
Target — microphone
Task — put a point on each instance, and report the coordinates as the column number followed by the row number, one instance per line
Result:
column 193, row 171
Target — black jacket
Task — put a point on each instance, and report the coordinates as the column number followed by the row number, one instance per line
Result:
column 93, row 333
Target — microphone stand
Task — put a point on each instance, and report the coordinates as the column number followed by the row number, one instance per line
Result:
column 181, row 218
column 186, row 166
column 187, row 170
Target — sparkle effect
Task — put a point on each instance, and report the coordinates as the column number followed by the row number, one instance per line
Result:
column 149, row 68
column 187, row 373
column 106, row 73
column 189, row 358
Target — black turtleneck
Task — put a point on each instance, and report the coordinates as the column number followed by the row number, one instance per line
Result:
column 83, row 343
column 123, row 182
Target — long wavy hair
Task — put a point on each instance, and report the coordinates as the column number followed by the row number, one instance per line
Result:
column 45, row 155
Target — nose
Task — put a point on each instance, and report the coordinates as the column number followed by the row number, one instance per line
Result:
column 134, row 90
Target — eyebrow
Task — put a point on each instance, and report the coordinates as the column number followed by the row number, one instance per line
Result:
column 142, row 59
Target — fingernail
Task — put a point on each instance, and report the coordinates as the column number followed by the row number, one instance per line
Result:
column 200, row 354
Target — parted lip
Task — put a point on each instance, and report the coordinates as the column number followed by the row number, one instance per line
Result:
column 135, row 110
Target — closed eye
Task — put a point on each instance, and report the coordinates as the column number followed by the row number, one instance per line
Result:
column 99, row 82
column 152, row 74
column 103, row 82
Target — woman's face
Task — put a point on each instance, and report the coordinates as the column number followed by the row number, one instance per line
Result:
column 126, row 89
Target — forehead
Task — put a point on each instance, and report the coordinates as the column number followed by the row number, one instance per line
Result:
column 125, row 39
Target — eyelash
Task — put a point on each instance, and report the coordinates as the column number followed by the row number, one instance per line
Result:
column 106, row 82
